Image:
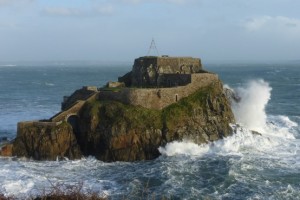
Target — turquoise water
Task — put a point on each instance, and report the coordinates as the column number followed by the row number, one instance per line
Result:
column 243, row 166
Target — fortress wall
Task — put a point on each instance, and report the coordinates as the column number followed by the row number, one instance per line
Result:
column 147, row 70
column 178, row 61
column 81, row 94
column 171, row 80
column 145, row 61
column 72, row 110
column 121, row 95
column 158, row 98
column 178, row 64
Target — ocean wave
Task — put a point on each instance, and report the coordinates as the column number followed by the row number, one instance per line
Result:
column 26, row 178
column 245, row 163
column 49, row 84
column 273, row 131
column 242, row 141
column 250, row 110
column 241, row 166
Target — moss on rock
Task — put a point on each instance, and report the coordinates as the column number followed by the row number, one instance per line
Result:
column 46, row 142
column 113, row 131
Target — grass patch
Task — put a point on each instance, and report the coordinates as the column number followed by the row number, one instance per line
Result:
column 176, row 114
column 135, row 117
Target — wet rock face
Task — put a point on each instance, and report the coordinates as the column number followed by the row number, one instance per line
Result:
column 112, row 131
column 232, row 95
column 46, row 142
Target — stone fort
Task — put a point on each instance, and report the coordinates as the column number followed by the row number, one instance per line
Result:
column 156, row 82
column 153, row 83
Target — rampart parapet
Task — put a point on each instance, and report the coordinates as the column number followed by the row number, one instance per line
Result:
column 158, row 98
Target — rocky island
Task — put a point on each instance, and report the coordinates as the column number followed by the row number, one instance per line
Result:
column 163, row 99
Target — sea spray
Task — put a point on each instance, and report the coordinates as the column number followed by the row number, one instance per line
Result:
column 250, row 110
column 251, row 115
column 184, row 148
column 234, row 145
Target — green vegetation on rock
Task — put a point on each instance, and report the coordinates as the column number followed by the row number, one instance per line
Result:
column 113, row 131
column 116, row 131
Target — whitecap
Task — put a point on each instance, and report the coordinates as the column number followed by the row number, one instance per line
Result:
column 49, row 84
column 183, row 148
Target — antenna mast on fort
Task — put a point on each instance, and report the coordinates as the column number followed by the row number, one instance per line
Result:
column 152, row 47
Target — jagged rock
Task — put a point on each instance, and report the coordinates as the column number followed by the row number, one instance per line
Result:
column 46, row 142
column 256, row 133
column 6, row 150
column 114, row 131
column 231, row 95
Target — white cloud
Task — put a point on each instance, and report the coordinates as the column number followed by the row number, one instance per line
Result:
column 8, row 25
column 61, row 11
column 278, row 26
column 268, row 22
column 64, row 11
column 132, row 1
column 107, row 9
column 257, row 23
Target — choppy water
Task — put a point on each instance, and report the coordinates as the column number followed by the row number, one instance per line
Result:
column 243, row 166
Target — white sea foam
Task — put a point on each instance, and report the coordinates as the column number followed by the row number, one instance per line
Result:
column 24, row 178
column 242, row 140
column 49, row 84
column 184, row 148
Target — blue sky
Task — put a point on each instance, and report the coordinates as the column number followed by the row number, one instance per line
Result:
column 121, row 30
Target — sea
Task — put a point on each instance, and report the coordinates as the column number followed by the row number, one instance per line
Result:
column 265, row 165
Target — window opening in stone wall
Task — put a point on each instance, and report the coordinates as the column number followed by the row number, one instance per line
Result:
column 176, row 97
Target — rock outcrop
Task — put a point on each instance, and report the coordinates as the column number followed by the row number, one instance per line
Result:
column 49, row 141
column 113, row 131
column 125, row 123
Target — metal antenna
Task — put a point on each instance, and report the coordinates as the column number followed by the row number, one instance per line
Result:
column 152, row 47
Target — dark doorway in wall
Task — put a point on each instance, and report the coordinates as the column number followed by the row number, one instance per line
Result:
column 73, row 120
column 176, row 97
